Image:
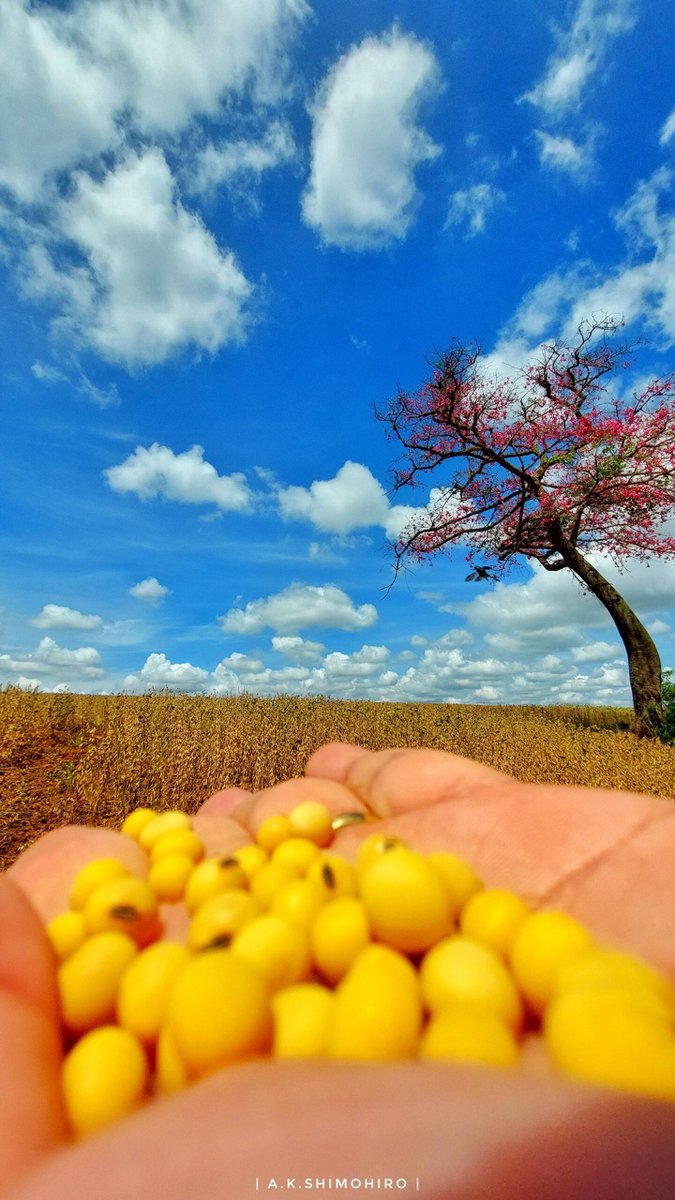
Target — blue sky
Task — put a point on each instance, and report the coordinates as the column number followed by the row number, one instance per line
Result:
column 227, row 231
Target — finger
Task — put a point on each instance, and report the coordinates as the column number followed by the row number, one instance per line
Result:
column 45, row 871
column 430, row 1130
column 283, row 797
column 32, row 1120
column 222, row 803
column 390, row 782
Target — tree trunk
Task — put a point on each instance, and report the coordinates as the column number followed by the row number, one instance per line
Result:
column 644, row 664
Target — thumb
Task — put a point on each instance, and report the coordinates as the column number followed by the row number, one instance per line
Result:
column 32, row 1120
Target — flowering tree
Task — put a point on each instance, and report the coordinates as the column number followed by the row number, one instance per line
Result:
column 550, row 466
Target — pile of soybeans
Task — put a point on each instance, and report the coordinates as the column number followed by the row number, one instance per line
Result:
column 294, row 952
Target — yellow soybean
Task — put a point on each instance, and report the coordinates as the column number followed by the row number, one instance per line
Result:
column 218, row 1012
column 373, row 846
column 296, row 852
column 302, row 1015
column 145, row 986
column 459, row 970
column 493, row 917
column 339, row 932
column 311, row 819
column 276, row 949
column 216, row 922
column 269, row 880
column 88, row 981
column 406, row 900
column 104, row 1077
column 169, row 875
column 211, row 876
column 66, row 932
column 273, row 831
column 92, row 876
column 614, row 1041
column 377, row 1014
column 461, row 879
column 136, row 821
column 127, row 905
column 545, row 941
column 171, row 1073
column 178, row 841
column 603, row 966
column 298, row 901
column 166, row 822
column 333, row 874
column 250, row 858
column 469, row 1034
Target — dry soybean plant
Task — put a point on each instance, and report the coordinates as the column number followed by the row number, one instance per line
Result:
column 91, row 759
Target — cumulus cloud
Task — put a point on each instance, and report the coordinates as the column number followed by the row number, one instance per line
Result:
column 90, row 89
column 149, row 589
column 59, row 105
column 581, row 51
column 367, row 142
column 300, row 606
column 472, row 206
column 187, row 478
column 154, row 279
column 352, row 499
column 551, row 611
column 76, row 78
column 50, row 659
column 59, row 616
column 298, row 649
column 159, row 671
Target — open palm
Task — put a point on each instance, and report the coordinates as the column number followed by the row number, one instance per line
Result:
column 441, row 1130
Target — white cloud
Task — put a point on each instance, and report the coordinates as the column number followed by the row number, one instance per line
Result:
column 562, row 153
column 177, row 58
column 187, row 478
column 471, row 206
column 155, row 279
column 366, row 661
column 58, row 105
column 240, row 162
column 73, row 79
column 668, row 129
column 352, row 499
column 158, row 671
column 149, row 589
column 366, row 142
column 595, row 652
column 49, row 659
column 298, row 649
column 639, row 288
column 551, row 611
column 299, row 606
column 643, row 287
column 58, row 616
column 239, row 664
column 581, row 51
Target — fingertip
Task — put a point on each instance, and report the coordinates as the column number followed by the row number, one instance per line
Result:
column 222, row 803
column 334, row 760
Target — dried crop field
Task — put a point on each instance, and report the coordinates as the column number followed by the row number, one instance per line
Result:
column 90, row 759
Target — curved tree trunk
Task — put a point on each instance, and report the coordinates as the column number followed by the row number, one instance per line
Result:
column 644, row 663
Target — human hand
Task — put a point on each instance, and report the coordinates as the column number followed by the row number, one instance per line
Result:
column 606, row 857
